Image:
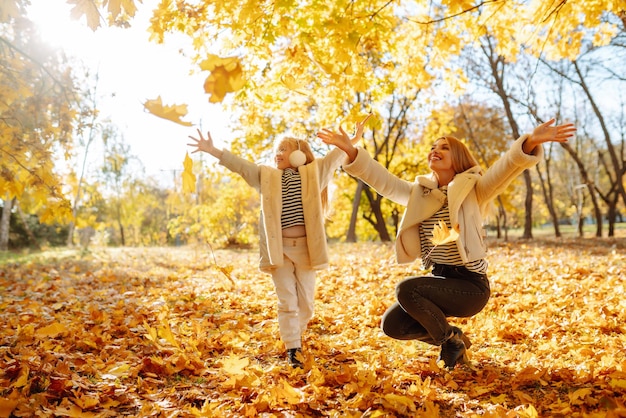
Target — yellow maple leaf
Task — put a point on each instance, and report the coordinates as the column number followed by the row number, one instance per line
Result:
column 286, row 392
column 7, row 406
column 86, row 401
column 226, row 76
column 88, row 9
column 166, row 333
column 172, row 113
column 51, row 330
column 22, row 379
column 443, row 235
column 235, row 365
column 152, row 333
column 115, row 8
column 119, row 370
column 292, row 83
column 189, row 179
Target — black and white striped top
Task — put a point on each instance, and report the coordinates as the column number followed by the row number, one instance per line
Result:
column 446, row 253
column 293, row 212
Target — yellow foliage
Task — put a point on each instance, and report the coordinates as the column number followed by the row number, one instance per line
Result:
column 226, row 76
column 531, row 357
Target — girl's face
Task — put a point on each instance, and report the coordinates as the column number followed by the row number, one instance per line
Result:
column 440, row 158
column 283, row 151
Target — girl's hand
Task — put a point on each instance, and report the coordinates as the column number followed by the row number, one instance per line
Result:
column 358, row 130
column 341, row 139
column 547, row 133
column 205, row 145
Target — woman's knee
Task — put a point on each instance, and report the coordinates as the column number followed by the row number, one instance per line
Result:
column 407, row 288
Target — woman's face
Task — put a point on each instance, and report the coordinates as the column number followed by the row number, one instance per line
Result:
column 283, row 151
column 440, row 158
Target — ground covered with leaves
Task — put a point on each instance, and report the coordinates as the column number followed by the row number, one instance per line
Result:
column 185, row 332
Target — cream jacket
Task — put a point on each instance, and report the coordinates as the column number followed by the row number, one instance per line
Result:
column 267, row 180
column 469, row 194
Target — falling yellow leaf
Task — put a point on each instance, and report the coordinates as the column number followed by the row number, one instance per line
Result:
column 173, row 113
column 87, row 8
column 226, row 76
column 115, row 8
column 189, row 179
column 443, row 235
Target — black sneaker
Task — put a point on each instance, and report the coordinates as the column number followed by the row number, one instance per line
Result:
column 293, row 356
column 454, row 349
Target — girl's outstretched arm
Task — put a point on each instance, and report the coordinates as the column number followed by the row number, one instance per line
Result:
column 205, row 144
column 547, row 133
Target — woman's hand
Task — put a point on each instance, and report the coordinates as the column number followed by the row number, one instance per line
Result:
column 205, row 144
column 547, row 133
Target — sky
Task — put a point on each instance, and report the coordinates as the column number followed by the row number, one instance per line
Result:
column 132, row 70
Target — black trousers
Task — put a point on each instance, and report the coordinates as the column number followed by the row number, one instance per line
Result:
column 425, row 302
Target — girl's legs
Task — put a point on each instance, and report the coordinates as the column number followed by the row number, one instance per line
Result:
column 295, row 287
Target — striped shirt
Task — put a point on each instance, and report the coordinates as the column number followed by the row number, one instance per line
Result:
column 446, row 253
column 293, row 212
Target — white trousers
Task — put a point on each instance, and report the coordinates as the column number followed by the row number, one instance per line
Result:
column 295, row 287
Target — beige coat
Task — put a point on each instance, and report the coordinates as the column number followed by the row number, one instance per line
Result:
column 267, row 180
column 469, row 194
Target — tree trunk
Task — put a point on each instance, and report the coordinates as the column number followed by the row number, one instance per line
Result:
column 528, row 207
column 549, row 199
column 378, row 222
column 502, row 216
column 5, row 223
column 351, row 235
column 31, row 236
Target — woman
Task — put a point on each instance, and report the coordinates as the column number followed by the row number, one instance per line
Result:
column 457, row 193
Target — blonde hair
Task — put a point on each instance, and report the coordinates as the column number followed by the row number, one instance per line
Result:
column 462, row 158
column 300, row 144
column 304, row 146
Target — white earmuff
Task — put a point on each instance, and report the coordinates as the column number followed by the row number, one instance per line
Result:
column 297, row 157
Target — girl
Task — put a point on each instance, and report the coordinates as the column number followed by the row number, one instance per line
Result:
column 292, row 238
column 457, row 193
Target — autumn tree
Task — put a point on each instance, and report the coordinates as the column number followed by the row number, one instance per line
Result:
column 37, row 107
column 483, row 129
column 288, row 67
column 86, row 133
column 223, row 212
column 596, row 67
